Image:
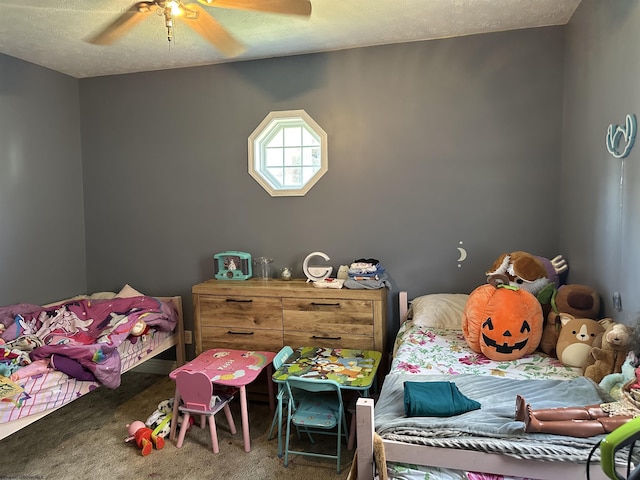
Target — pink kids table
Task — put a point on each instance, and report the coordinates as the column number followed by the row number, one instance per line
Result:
column 232, row 368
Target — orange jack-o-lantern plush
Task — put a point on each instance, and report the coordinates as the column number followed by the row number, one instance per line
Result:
column 503, row 322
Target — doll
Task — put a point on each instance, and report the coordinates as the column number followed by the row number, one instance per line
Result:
column 587, row 421
column 144, row 438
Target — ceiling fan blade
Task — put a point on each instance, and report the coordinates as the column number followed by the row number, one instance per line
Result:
column 287, row 7
column 123, row 24
column 205, row 25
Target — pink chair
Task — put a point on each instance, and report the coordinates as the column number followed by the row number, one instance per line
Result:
column 196, row 392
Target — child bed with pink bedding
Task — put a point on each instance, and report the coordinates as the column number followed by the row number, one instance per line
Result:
column 51, row 355
column 486, row 443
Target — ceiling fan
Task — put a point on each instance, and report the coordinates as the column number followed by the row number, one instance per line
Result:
column 197, row 19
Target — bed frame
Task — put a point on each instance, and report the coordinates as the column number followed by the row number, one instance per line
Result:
column 468, row 460
column 177, row 340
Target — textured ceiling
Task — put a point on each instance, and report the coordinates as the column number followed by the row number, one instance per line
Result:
column 54, row 33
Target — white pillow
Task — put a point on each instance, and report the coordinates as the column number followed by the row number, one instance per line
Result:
column 128, row 291
column 102, row 295
column 439, row 310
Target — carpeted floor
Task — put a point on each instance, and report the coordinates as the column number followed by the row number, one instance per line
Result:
column 85, row 439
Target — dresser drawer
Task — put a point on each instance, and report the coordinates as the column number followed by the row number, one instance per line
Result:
column 265, row 315
column 346, row 317
column 240, row 312
column 240, row 338
column 320, row 339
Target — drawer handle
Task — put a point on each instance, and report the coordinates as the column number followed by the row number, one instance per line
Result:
column 239, row 333
column 317, row 304
column 238, row 301
column 325, row 338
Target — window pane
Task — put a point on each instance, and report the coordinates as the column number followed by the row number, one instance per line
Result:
column 276, row 140
column 292, row 156
column 311, row 156
column 308, row 173
column 292, row 177
column 308, row 139
column 293, row 136
column 273, row 157
column 277, row 176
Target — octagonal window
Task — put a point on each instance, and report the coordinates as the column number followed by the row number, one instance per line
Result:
column 288, row 153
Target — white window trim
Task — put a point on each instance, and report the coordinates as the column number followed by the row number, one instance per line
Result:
column 254, row 148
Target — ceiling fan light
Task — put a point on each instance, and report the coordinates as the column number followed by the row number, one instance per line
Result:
column 174, row 7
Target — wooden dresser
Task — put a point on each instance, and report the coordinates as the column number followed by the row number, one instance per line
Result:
column 268, row 314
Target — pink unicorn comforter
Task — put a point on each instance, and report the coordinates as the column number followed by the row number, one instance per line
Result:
column 83, row 335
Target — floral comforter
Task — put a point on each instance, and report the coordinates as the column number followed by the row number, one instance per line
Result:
column 430, row 351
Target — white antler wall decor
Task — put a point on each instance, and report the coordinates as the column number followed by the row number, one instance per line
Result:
column 615, row 133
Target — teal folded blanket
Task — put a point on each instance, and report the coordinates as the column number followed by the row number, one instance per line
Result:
column 435, row 399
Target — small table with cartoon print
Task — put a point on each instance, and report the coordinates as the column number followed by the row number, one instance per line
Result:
column 233, row 368
column 352, row 369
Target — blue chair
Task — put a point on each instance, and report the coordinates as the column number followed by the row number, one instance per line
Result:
column 315, row 406
column 282, row 396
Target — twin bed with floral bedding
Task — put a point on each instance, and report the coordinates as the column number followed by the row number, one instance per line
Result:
column 484, row 441
column 51, row 355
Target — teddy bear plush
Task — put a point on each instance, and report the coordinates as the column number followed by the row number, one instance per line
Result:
column 580, row 301
column 613, row 383
column 576, row 339
column 609, row 350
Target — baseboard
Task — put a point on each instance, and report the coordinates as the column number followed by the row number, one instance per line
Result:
column 156, row 365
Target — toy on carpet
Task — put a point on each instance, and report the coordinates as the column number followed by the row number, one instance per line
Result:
column 502, row 322
column 581, row 301
column 160, row 420
column 576, row 339
column 144, row 438
column 609, row 350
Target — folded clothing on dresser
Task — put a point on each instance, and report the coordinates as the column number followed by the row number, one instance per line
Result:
column 366, row 273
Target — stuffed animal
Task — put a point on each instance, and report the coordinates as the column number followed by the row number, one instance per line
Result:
column 144, row 438
column 609, row 351
column 519, row 269
column 576, row 339
column 556, row 269
column 580, row 301
column 613, row 382
column 160, row 420
column 139, row 328
column 502, row 322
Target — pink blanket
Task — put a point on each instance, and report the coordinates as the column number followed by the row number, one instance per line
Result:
column 88, row 331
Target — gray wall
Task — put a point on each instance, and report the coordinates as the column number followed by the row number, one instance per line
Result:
column 496, row 141
column 42, row 244
column 600, row 207
column 430, row 144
